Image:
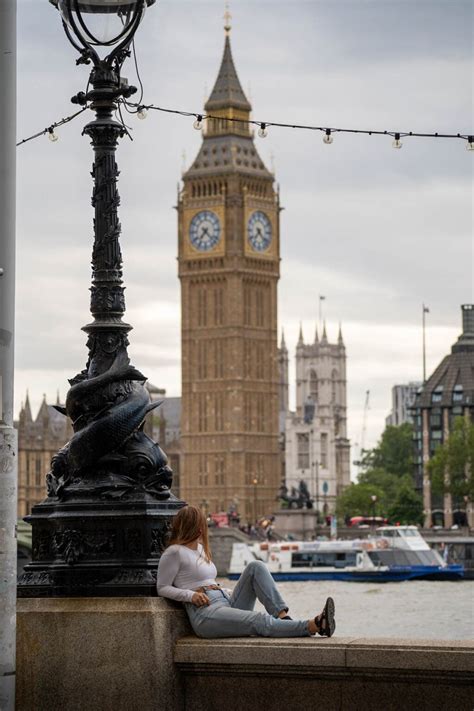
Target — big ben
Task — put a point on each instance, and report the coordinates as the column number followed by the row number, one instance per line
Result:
column 229, row 254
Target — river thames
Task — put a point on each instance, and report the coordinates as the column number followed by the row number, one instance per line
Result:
column 414, row 609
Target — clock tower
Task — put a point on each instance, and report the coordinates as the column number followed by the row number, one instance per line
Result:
column 229, row 253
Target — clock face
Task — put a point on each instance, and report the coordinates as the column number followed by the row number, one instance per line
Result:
column 205, row 230
column 259, row 230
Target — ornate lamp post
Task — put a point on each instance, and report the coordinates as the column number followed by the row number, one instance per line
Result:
column 101, row 529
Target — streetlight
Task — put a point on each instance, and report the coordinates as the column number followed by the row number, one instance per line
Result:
column 103, row 524
column 374, row 500
column 255, row 484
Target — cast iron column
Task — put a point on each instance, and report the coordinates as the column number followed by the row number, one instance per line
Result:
column 103, row 526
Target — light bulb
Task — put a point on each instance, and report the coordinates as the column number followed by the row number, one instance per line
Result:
column 262, row 131
column 142, row 113
column 396, row 143
column 470, row 143
column 198, row 123
column 53, row 137
column 328, row 138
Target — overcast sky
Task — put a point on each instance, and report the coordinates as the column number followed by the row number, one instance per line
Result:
column 378, row 231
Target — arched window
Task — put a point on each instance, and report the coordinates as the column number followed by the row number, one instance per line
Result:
column 334, row 386
column 313, row 385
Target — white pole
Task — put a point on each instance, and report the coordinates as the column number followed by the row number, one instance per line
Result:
column 8, row 440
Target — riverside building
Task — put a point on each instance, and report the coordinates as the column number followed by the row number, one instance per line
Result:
column 317, row 448
column 228, row 256
column 448, row 393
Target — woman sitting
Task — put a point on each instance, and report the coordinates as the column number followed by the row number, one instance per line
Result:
column 186, row 573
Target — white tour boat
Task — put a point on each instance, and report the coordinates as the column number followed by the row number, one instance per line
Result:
column 394, row 553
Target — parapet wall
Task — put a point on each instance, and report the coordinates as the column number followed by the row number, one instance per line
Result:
column 122, row 654
column 329, row 674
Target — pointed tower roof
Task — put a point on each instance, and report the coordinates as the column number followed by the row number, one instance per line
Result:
column 27, row 409
column 324, row 338
column 339, row 337
column 283, row 342
column 316, row 336
column 227, row 92
column 43, row 411
column 300, row 337
column 227, row 145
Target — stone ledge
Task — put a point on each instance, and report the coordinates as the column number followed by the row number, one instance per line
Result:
column 349, row 654
column 335, row 674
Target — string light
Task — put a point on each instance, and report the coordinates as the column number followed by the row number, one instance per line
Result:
column 198, row 123
column 142, row 110
column 396, row 143
column 50, row 129
column 264, row 125
column 53, row 137
column 327, row 137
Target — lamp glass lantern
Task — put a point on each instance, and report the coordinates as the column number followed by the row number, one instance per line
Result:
column 102, row 23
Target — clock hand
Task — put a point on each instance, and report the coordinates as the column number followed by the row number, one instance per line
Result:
column 205, row 232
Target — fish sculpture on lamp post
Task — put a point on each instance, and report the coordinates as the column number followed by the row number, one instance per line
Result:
column 103, row 525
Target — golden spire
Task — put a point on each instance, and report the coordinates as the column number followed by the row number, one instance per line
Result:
column 227, row 19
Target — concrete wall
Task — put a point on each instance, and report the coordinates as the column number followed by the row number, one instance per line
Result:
column 127, row 654
column 222, row 540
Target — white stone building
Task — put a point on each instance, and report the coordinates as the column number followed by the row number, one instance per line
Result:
column 316, row 446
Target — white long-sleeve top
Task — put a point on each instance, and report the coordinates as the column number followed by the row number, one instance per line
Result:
column 182, row 570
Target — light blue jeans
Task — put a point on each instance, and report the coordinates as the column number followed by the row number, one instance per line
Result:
column 234, row 615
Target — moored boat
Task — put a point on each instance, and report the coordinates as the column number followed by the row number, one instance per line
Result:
column 395, row 553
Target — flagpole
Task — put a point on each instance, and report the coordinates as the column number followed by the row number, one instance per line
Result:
column 321, row 299
column 425, row 310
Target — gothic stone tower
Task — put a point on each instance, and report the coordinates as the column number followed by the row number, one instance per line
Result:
column 317, row 448
column 229, row 268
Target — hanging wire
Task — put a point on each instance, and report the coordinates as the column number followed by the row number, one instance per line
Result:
column 303, row 127
column 327, row 130
column 51, row 128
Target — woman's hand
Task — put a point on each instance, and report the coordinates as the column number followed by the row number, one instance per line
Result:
column 199, row 599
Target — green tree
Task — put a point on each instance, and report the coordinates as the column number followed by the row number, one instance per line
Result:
column 394, row 451
column 355, row 500
column 407, row 507
column 388, row 483
column 452, row 466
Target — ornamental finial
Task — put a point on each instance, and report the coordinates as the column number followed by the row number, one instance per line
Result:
column 227, row 19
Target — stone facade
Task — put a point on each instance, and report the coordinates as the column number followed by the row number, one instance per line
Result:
column 228, row 253
column 448, row 393
column 38, row 440
column 317, row 448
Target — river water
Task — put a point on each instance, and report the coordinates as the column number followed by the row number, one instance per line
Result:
column 414, row 609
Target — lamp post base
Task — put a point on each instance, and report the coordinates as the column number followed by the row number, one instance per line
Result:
column 95, row 548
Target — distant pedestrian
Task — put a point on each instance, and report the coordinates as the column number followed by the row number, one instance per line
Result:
column 186, row 573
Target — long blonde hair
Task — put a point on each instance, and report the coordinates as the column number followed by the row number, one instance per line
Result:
column 188, row 525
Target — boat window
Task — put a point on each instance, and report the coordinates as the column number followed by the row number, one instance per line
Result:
column 323, row 559
column 398, row 557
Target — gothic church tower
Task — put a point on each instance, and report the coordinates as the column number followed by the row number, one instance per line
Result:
column 317, row 448
column 229, row 268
